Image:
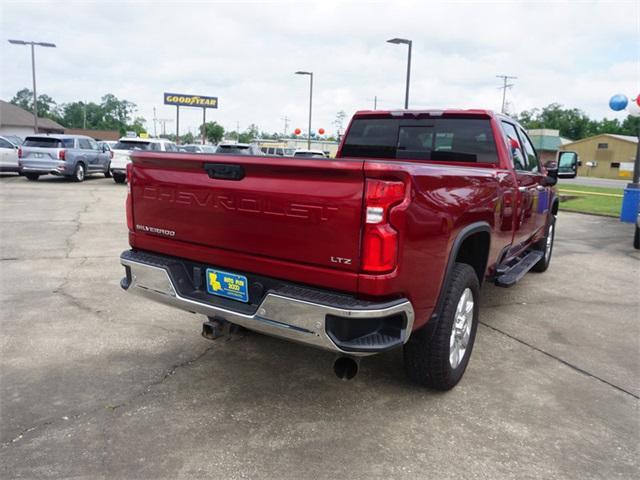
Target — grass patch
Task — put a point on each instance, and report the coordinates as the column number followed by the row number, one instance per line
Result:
column 585, row 203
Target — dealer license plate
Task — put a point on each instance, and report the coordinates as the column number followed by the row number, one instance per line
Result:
column 227, row 285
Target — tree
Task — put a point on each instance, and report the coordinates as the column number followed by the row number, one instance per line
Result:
column 186, row 138
column 46, row 105
column 213, row 131
column 251, row 133
column 574, row 123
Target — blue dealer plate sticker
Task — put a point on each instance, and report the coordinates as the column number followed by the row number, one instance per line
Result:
column 228, row 285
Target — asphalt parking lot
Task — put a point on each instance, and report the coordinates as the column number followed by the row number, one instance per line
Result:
column 95, row 383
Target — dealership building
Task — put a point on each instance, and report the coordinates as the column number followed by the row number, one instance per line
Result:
column 605, row 156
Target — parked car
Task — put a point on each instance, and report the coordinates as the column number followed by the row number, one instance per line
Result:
column 384, row 247
column 123, row 148
column 72, row 156
column 196, row 148
column 8, row 156
column 310, row 153
column 239, row 149
column 15, row 139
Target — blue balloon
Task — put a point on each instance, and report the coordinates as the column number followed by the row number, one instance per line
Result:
column 618, row 102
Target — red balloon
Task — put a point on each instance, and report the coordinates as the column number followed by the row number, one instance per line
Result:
column 321, row 131
column 297, row 131
column 638, row 100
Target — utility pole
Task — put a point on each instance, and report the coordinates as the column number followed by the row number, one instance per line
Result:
column 84, row 115
column 155, row 121
column 163, row 122
column 286, row 125
column 505, row 85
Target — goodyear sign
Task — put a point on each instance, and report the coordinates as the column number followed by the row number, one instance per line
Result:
column 190, row 100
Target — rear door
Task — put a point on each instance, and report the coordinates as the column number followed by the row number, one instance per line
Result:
column 528, row 177
column 304, row 211
column 86, row 154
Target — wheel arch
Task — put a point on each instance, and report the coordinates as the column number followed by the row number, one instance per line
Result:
column 475, row 238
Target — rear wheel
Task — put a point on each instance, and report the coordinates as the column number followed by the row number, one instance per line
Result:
column 32, row 176
column 79, row 173
column 437, row 358
column 546, row 245
column 119, row 177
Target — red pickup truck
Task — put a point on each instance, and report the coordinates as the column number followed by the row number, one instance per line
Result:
column 384, row 246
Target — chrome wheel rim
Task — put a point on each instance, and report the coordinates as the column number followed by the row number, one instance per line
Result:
column 461, row 330
column 80, row 173
column 549, row 243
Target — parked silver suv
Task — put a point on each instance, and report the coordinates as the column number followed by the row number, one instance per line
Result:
column 73, row 156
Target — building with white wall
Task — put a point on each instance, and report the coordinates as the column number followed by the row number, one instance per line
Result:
column 17, row 121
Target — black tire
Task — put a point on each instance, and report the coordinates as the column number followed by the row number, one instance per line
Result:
column 427, row 353
column 636, row 238
column 32, row 176
column 80, row 173
column 545, row 261
column 119, row 178
column 107, row 172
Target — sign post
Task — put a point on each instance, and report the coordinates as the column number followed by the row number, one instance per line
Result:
column 181, row 99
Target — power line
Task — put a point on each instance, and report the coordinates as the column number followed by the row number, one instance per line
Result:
column 505, row 85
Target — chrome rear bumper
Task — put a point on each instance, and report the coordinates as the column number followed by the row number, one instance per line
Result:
column 278, row 315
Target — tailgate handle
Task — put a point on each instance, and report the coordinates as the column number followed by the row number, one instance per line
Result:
column 224, row 171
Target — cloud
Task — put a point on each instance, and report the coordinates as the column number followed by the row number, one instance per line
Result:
column 574, row 53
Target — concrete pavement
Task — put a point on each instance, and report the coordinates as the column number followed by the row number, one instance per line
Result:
column 95, row 383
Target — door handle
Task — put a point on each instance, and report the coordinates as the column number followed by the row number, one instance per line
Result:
column 224, row 171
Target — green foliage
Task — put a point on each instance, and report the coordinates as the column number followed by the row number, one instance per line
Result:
column 249, row 135
column 213, row 131
column 574, row 123
column 110, row 114
column 46, row 105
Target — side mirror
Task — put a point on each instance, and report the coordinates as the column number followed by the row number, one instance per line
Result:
column 103, row 148
column 567, row 164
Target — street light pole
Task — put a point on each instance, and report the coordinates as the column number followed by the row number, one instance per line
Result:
column 409, row 43
column 33, row 74
column 310, row 104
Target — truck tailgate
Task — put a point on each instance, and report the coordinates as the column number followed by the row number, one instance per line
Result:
column 298, row 210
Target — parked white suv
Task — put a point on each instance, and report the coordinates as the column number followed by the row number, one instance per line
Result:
column 124, row 147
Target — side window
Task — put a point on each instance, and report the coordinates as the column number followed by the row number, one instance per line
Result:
column 511, row 139
column 68, row 143
column 170, row 147
column 5, row 144
column 84, row 144
column 94, row 145
column 156, row 147
column 532, row 158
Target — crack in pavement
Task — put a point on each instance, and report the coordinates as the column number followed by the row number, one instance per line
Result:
column 564, row 362
column 78, row 224
column 145, row 390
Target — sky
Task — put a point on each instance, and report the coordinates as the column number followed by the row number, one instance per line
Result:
column 576, row 53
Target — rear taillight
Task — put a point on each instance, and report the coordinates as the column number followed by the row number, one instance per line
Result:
column 129, row 202
column 19, row 152
column 380, row 240
column 62, row 154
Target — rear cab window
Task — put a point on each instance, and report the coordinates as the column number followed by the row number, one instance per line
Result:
column 448, row 139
